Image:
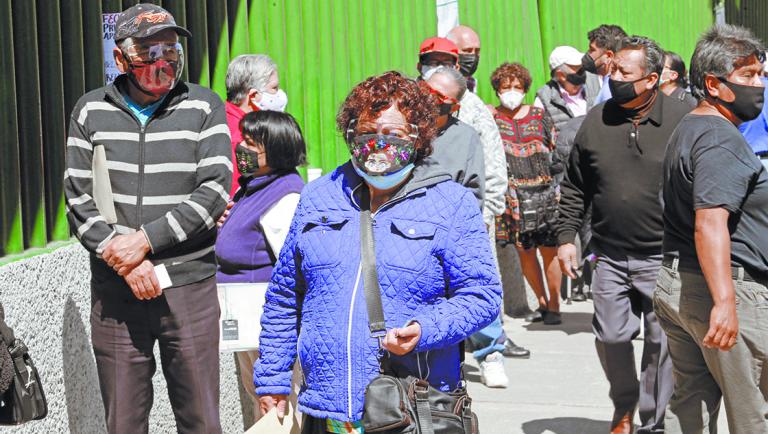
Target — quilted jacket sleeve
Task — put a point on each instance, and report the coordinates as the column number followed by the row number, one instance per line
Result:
column 279, row 322
column 474, row 289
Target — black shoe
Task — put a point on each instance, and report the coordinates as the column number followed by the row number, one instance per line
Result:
column 552, row 318
column 516, row 351
column 535, row 316
column 579, row 296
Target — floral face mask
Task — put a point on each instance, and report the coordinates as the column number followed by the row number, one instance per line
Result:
column 388, row 150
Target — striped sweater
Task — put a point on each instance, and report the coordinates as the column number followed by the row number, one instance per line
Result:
column 169, row 178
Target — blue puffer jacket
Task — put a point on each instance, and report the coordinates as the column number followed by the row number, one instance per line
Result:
column 434, row 264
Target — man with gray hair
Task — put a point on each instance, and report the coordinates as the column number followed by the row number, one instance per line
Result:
column 615, row 166
column 252, row 84
column 711, row 291
column 456, row 149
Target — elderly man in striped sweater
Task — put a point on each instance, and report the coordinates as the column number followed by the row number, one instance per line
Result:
column 148, row 172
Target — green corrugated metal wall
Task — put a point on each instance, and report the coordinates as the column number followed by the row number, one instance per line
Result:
column 526, row 31
column 509, row 31
column 323, row 47
column 749, row 13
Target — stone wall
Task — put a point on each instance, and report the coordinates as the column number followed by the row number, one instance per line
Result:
column 47, row 302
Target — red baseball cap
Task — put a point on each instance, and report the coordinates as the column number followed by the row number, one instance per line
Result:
column 438, row 45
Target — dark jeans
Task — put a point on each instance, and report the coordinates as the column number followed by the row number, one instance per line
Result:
column 622, row 287
column 184, row 320
column 704, row 375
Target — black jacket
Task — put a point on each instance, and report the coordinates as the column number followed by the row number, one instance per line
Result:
column 620, row 176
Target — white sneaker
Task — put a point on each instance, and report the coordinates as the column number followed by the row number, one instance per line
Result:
column 492, row 371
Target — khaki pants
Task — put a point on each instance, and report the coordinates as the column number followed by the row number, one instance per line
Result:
column 703, row 375
column 246, row 359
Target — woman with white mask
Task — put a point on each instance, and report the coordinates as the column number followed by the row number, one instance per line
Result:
column 253, row 84
column 528, row 134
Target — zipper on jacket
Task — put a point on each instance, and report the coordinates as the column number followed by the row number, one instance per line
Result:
column 142, row 133
column 352, row 308
column 142, row 144
column 354, row 295
column 349, row 340
column 140, row 195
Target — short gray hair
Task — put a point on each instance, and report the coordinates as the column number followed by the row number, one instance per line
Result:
column 654, row 55
column 454, row 75
column 246, row 72
column 718, row 51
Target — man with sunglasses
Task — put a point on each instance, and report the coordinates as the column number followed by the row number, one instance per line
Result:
column 616, row 166
column 148, row 173
column 456, row 149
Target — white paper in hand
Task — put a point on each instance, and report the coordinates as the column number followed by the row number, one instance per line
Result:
column 270, row 424
column 162, row 276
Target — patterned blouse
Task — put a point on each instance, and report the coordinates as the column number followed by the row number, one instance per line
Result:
column 528, row 145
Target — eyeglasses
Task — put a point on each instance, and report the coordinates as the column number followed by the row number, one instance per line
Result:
column 398, row 131
column 152, row 53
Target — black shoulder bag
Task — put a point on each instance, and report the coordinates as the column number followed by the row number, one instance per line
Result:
column 396, row 404
column 24, row 400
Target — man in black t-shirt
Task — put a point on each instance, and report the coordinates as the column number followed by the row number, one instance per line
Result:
column 711, row 296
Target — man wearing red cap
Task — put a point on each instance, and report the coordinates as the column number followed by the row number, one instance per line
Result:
column 491, row 342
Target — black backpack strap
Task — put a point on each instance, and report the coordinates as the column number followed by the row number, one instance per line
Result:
column 6, row 333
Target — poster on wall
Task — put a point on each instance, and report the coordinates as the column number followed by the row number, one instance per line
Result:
column 108, row 42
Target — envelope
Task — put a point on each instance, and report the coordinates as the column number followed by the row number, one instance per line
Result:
column 269, row 423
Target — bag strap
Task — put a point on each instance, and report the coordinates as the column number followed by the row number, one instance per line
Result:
column 423, row 412
column 376, row 323
column 6, row 333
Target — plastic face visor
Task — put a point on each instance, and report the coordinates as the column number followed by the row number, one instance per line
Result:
column 147, row 55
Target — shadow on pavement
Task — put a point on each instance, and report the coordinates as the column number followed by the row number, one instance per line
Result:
column 573, row 322
column 471, row 373
column 566, row 425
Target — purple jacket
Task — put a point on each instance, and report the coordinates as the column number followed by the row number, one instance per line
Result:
column 241, row 248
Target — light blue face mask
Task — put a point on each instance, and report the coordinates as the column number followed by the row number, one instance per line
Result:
column 388, row 181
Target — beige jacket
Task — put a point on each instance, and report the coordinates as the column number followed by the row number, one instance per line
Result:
column 476, row 114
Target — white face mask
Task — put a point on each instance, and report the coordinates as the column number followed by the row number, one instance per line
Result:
column 427, row 71
column 511, row 99
column 273, row 101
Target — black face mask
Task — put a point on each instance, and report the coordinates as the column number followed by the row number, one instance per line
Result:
column 748, row 103
column 247, row 160
column 468, row 64
column 444, row 109
column 588, row 63
column 577, row 78
column 623, row 92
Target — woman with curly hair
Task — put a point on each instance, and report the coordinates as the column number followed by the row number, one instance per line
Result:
column 528, row 134
column 437, row 278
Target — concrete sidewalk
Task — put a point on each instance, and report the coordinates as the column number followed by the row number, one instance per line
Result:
column 561, row 389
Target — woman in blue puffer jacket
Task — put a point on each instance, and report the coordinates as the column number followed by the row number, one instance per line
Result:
column 437, row 276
